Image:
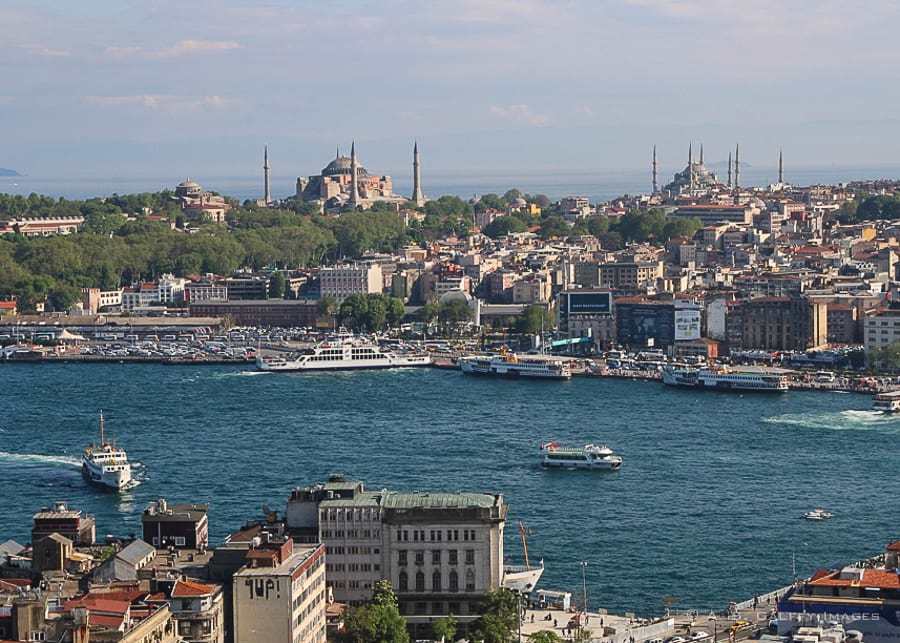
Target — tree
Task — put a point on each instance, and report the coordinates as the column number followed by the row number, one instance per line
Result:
column 554, row 226
column 534, row 319
column 499, row 619
column 444, row 628
column 276, row 285
column 545, row 636
column 504, row 225
column 377, row 622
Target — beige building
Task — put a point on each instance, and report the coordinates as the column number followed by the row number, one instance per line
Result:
column 442, row 552
column 629, row 274
column 199, row 611
column 339, row 282
column 881, row 329
column 279, row 595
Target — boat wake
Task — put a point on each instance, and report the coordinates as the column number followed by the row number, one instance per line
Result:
column 37, row 459
column 850, row 420
column 220, row 376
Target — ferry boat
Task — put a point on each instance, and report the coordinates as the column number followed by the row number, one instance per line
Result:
column 747, row 378
column 590, row 456
column 341, row 353
column 516, row 365
column 818, row 514
column 106, row 465
column 888, row 402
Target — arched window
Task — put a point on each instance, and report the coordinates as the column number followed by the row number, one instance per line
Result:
column 404, row 582
column 436, row 581
column 454, row 581
column 420, row 581
column 470, row 581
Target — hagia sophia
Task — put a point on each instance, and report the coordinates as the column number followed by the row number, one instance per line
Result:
column 344, row 181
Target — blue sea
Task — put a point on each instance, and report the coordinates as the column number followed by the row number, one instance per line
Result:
column 706, row 507
column 599, row 186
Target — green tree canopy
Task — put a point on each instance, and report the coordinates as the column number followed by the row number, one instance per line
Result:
column 378, row 622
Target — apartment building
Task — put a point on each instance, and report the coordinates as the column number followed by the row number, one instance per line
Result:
column 339, row 282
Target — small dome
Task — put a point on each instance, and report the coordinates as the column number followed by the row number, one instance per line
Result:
column 189, row 183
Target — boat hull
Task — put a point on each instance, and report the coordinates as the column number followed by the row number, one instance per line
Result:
column 301, row 367
column 111, row 481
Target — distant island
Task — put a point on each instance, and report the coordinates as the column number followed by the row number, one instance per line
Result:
column 4, row 171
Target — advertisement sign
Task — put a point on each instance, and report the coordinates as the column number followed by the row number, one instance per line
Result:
column 687, row 324
column 590, row 303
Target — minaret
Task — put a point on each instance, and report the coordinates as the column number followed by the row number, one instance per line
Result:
column 354, row 185
column 267, row 190
column 691, row 164
column 737, row 165
column 701, row 153
column 780, row 167
column 729, row 169
column 417, row 197
column 654, row 169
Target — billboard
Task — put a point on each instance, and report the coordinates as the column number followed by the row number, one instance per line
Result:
column 589, row 303
column 687, row 324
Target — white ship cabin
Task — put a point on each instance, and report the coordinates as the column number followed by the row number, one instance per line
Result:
column 331, row 353
column 111, row 457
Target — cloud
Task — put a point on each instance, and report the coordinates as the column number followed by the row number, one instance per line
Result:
column 180, row 48
column 162, row 102
column 519, row 114
column 47, row 52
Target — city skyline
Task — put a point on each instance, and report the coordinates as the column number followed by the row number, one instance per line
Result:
column 531, row 86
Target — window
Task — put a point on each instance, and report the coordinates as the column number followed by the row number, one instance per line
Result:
column 436, row 581
column 179, row 541
column 454, row 556
column 404, row 582
column 401, row 557
column 420, row 581
column 436, row 557
column 470, row 581
column 420, row 557
column 470, row 557
column 454, row 581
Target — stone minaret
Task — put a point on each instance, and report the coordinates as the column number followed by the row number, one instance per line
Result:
column 691, row 164
column 701, row 153
column 780, row 167
column 654, row 169
column 729, row 169
column 267, row 188
column 354, row 184
column 737, row 165
column 417, row 197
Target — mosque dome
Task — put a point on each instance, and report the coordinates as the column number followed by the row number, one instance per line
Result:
column 341, row 165
column 189, row 188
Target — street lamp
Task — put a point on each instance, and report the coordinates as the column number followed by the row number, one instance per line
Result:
column 584, row 586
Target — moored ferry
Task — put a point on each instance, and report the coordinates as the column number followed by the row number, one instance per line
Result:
column 590, row 456
column 747, row 378
column 341, row 353
column 106, row 465
column 516, row 365
column 888, row 402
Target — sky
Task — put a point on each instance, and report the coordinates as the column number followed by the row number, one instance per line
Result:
column 157, row 87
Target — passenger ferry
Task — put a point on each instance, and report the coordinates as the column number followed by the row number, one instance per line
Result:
column 747, row 378
column 888, row 402
column 106, row 465
column 516, row 365
column 590, row 456
column 341, row 353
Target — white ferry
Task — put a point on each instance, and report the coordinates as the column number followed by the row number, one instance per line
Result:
column 106, row 465
column 516, row 365
column 590, row 456
column 748, row 378
column 341, row 353
column 888, row 402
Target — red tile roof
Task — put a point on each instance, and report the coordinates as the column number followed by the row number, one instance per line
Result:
column 189, row 588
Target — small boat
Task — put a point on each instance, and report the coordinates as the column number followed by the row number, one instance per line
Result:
column 590, row 456
column 106, row 465
column 817, row 515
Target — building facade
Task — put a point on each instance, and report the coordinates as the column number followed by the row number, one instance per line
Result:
column 183, row 526
column 339, row 282
column 279, row 596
